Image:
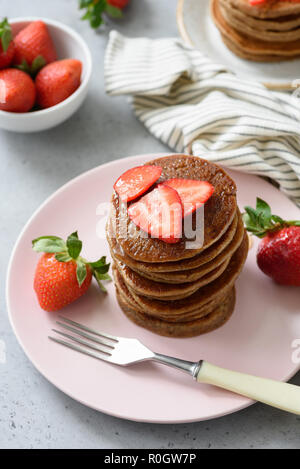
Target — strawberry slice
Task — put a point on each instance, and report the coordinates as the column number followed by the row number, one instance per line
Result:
column 159, row 213
column 257, row 2
column 192, row 193
column 136, row 181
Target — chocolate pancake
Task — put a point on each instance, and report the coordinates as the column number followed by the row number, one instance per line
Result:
column 188, row 329
column 198, row 313
column 271, row 9
column 280, row 24
column 209, row 292
column 250, row 47
column 166, row 291
column 150, row 270
column 219, row 212
column 248, row 56
column 250, row 30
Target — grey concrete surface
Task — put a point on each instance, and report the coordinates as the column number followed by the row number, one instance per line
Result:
column 33, row 413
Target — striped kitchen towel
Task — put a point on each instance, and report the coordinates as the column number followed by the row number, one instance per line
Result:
column 195, row 105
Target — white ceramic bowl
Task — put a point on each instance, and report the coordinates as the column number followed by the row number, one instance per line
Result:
column 68, row 44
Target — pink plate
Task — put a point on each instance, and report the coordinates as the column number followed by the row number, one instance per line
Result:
column 258, row 339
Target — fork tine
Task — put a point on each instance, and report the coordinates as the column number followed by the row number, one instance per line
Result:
column 84, row 334
column 82, row 342
column 77, row 349
column 87, row 329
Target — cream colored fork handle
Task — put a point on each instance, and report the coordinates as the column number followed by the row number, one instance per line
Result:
column 274, row 393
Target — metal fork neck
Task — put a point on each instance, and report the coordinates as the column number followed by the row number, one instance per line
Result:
column 192, row 368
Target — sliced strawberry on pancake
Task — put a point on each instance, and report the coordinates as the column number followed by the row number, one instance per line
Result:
column 257, row 2
column 159, row 213
column 192, row 193
column 136, row 181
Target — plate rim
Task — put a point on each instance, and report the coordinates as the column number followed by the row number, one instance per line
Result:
column 284, row 86
column 72, row 181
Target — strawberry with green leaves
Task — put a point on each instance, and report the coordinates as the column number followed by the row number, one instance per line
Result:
column 57, row 81
column 278, row 254
column 7, row 46
column 95, row 9
column 34, row 48
column 62, row 275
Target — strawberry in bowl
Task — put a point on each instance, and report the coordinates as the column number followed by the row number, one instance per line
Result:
column 278, row 254
column 34, row 47
column 7, row 46
column 57, row 81
column 17, row 91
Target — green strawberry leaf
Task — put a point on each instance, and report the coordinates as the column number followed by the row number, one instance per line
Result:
column 5, row 34
column 277, row 219
column 253, row 217
column 100, row 277
column 5, row 40
column 100, row 266
column 96, row 21
column 74, row 245
column 264, row 213
column 112, row 11
column 248, row 222
column 23, row 66
column 263, row 207
column 87, row 15
column 102, row 269
column 81, row 271
column 294, row 223
column 84, row 4
column 63, row 257
column 38, row 63
column 98, row 263
column 104, row 277
column 49, row 244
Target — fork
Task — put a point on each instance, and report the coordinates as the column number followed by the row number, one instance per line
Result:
column 125, row 351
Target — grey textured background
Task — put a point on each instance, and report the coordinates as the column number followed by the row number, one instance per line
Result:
column 34, row 414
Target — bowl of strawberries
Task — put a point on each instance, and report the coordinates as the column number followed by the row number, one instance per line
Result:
column 45, row 69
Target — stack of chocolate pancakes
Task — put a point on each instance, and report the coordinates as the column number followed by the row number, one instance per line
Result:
column 168, row 288
column 267, row 32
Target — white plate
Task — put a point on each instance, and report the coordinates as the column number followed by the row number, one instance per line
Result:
column 197, row 28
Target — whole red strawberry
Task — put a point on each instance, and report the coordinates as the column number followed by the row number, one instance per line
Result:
column 34, row 47
column 62, row 275
column 57, row 81
column 55, row 283
column 17, row 91
column 278, row 254
column 7, row 46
